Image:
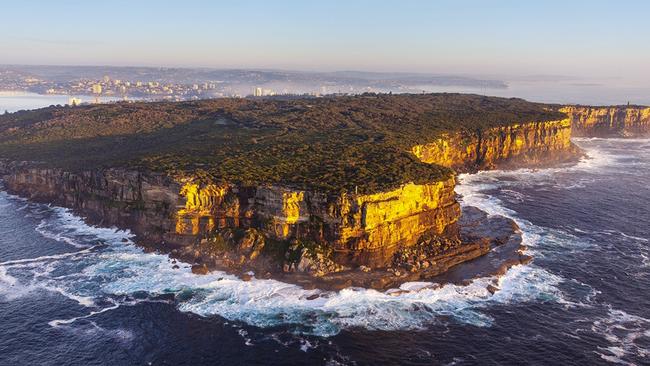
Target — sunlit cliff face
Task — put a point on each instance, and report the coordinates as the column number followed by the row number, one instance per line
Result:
column 204, row 209
column 400, row 216
column 498, row 144
column 609, row 121
column 291, row 206
column 281, row 210
column 202, row 199
column 377, row 218
column 211, row 206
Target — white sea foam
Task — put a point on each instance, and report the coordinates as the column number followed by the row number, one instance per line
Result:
column 57, row 322
column 87, row 301
column 305, row 345
column 21, row 207
column 622, row 330
column 632, row 237
column 60, row 237
column 115, row 305
column 514, row 195
column 11, row 288
column 645, row 259
column 244, row 334
column 38, row 260
column 269, row 302
column 93, row 330
column 619, row 328
column 124, row 269
column 74, row 226
column 8, row 284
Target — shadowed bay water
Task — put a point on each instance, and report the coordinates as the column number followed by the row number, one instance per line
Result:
column 80, row 295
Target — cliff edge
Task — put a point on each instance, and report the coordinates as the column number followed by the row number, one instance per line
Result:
column 617, row 121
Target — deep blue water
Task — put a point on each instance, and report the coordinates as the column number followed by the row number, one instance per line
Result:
column 74, row 294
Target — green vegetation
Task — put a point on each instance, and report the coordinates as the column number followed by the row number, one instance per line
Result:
column 327, row 144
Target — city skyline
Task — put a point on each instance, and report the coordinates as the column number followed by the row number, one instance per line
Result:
column 580, row 38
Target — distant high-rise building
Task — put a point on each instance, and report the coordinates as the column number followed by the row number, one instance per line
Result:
column 106, row 78
column 258, row 92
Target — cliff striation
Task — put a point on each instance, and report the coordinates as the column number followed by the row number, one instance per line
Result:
column 628, row 121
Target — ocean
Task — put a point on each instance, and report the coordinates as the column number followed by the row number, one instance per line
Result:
column 16, row 101
column 74, row 294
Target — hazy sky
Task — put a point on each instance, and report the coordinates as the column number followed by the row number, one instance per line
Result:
column 582, row 38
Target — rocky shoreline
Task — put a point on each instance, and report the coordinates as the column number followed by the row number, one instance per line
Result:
column 482, row 246
column 487, row 246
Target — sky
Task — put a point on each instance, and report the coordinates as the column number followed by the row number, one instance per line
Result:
column 607, row 39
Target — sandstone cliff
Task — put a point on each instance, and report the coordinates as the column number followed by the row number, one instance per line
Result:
column 356, row 229
column 360, row 228
column 628, row 121
column 526, row 144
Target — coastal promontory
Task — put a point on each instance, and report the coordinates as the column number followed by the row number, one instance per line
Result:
column 309, row 187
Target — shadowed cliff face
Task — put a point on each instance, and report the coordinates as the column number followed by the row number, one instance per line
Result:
column 609, row 121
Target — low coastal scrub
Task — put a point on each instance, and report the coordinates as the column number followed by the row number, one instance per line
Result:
column 358, row 143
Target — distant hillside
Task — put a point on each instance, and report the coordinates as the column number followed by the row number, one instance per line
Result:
column 257, row 77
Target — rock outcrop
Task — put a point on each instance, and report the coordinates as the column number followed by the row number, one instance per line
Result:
column 526, row 144
column 624, row 121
